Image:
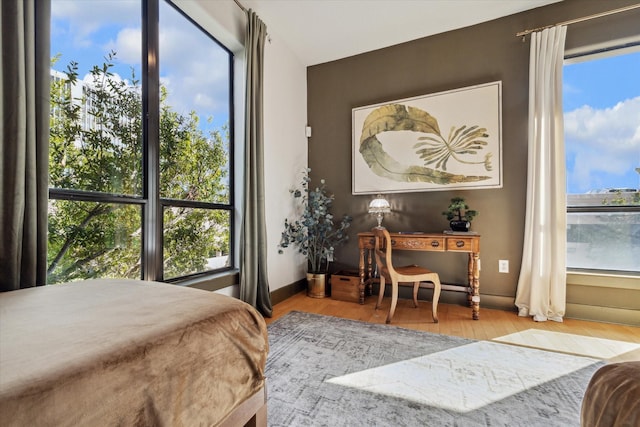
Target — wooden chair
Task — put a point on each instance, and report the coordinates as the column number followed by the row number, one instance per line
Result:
column 396, row 275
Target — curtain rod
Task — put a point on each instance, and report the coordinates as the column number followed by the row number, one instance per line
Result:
column 244, row 9
column 240, row 5
column 574, row 21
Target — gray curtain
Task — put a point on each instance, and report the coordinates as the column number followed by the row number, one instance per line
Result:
column 24, row 135
column 254, row 283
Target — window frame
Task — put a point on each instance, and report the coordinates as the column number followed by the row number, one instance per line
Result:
column 590, row 54
column 152, row 205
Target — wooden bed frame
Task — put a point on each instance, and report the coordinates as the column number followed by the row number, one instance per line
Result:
column 251, row 413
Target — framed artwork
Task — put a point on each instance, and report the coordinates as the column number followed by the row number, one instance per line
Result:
column 442, row 141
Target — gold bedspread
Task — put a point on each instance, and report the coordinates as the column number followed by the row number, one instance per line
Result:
column 127, row 353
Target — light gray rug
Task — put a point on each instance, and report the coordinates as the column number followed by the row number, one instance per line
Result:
column 327, row 371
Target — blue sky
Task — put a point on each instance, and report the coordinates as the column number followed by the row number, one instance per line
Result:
column 192, row 66
column 602, row 123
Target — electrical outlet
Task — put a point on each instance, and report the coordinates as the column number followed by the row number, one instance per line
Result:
column 503, row 266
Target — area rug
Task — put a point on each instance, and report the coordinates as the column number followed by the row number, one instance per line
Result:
column 327, row 371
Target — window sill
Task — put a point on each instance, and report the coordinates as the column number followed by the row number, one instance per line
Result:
column 603, row 280
column 213, row 282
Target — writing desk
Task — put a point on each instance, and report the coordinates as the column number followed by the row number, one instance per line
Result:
column 430, row 242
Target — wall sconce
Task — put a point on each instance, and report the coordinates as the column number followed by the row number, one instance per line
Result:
column 379, row 206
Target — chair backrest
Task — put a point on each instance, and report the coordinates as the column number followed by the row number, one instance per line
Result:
column 383, row 251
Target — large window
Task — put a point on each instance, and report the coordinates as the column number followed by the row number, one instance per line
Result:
column 602, row 137
column 140, row 143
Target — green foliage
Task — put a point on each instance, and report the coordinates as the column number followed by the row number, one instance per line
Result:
column 99, row 239
column 88, row 239
column 193, row 166
column 459, row 210
column 106, row 154
column 314, row 233
column 620, row 198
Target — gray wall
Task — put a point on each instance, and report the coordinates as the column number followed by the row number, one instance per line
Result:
column 474, row 55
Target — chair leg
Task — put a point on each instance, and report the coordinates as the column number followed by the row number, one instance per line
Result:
column 416, row 287
column 381, row 292
column 436, row 297
column 394, row 300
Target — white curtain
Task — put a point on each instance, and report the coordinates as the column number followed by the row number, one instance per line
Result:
column 542, row 283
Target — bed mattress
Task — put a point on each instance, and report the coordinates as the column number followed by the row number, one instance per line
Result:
column 126, row 352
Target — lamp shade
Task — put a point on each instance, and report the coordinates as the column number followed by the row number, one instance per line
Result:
column 379, row 206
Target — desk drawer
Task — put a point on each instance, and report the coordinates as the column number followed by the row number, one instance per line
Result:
column 428, row 244
column 462, row 244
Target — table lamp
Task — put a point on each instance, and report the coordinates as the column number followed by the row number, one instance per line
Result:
column 379, row 206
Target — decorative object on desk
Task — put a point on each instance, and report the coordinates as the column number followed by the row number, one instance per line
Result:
column 314, row 233
column 379, row 206
column 459, row 214
column 440, row 141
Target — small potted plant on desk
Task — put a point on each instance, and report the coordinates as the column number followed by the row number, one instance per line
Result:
column 314, row 233
column 459, row 215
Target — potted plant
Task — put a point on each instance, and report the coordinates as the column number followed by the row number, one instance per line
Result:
column 314, row 233
column 459, row 214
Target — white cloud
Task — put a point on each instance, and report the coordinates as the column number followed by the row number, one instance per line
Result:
column 193, row 68
column 127, row 45
column 87, row 17
column 602, row 140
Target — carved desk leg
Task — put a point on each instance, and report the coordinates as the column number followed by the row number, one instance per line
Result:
column 470, row 280
column 475, row 286
column 362, row 275
column 370, row 273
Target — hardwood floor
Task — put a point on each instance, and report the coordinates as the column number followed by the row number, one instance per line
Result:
column 456, row 320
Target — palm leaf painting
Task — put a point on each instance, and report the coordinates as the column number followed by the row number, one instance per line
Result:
column 434, row 150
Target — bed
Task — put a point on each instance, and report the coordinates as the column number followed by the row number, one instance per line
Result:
column 130, row 353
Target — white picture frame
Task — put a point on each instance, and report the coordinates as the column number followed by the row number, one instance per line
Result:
column 441, row 141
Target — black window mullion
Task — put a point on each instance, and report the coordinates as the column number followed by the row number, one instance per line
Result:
column 152, row 216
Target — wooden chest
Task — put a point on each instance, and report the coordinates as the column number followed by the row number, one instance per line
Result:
column 345, row 286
